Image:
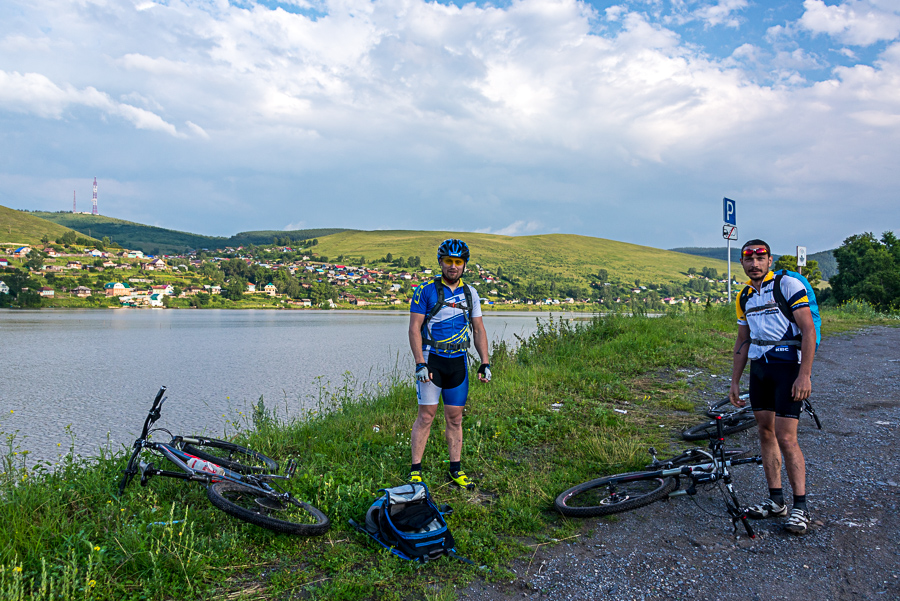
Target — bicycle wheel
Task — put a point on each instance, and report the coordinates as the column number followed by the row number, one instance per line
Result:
column 730, row 425
column 287, row 516
column 596, row 498
column 229, row 455
column 130, row 470
column 724, row 407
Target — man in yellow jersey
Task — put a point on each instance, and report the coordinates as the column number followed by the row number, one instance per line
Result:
column 444, row 318
column 781, row 353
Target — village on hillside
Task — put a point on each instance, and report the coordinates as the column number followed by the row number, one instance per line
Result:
column 282, row 276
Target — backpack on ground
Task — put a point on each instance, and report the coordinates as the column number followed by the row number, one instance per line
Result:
column 441, row 303
column 408, row 523
column 782, row 305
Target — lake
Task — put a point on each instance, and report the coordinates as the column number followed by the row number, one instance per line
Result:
column 96, row 371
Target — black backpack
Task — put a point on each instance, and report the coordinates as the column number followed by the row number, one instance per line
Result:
column 408, row 523
column 467, row 310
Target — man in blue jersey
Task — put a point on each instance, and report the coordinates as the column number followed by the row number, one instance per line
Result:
column 444, row 319
column 780, row 369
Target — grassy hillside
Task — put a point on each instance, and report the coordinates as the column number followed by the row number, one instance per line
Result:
column 560, row 257
column 18, row 228
column 156, row 240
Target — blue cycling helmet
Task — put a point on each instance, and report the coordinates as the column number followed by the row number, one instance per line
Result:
column 453, row 248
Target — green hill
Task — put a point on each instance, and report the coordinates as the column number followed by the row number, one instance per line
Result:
column 156, row 240
column 553, row 257
column 20, row 227
column 827, row 263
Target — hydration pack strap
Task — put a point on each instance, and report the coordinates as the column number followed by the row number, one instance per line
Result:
column 758, row 342
column 467, row 311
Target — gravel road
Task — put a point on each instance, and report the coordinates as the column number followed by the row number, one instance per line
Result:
column 677, row 550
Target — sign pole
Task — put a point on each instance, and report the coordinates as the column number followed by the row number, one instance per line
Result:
column 729, row 270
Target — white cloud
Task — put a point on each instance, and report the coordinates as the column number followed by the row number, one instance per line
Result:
column 35, row 94
column 722, row 13
column 855, row 22
column 516, row 228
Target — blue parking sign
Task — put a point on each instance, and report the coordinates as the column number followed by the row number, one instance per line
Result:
column 729, row 210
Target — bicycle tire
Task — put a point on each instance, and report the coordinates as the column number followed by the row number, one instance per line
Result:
column 247, row 504
column 592, row 498
column 130, row 470
column 724, row 407
column 729, row 426
column 229, row 455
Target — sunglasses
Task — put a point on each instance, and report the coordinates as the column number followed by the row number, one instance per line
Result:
column 453, row 261
column 749, row 252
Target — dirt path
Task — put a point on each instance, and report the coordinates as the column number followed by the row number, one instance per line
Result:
column 676, row 550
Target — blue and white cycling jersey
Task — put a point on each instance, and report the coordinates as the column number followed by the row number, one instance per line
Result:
column 449, row 325
column 770, row 323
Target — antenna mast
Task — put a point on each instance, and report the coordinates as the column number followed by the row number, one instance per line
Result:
column 94, row 209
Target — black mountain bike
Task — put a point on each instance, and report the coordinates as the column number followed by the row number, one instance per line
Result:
column 238, row 481
column 663, row 479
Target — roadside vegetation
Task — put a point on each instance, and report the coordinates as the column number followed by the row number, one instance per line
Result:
column 575, row 400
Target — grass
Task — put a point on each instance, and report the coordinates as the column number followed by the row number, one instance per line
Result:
column 65, row 534
column 19, row 228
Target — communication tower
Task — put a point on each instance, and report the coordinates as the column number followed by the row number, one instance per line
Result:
column 94, row 209
column 73, row 202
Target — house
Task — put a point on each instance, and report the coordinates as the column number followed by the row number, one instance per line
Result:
column 251, row 288
column 20, row 252
column 116, row 289
column 46, row 291
column 73, row 265
column 132, row 254
column 154, row 265
column 166, row 289
column 156, row 300
column 192, row 291
column 51, row 252
column 305, row 302
column 108, row 264
column 82, row 291
column 4, row 262
column 270, row 289
column 4, row 289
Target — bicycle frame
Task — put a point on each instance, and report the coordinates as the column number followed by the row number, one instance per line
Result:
column 180, row 458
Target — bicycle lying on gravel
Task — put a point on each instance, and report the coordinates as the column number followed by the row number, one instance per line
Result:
column 734, row 419
column 238, row 480
column 663, row 480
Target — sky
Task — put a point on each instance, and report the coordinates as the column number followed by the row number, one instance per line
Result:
column 622, row 120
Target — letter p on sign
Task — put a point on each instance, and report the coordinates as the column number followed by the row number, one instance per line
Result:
column 729, row 211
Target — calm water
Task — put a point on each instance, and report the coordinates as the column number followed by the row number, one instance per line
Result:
column 97, row 371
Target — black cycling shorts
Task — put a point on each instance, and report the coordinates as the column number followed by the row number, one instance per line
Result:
column 449, row 380
column 770, row 388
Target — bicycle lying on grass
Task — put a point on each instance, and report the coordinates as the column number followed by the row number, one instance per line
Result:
column 734, row 419
column 662, row 480
column 238, row 480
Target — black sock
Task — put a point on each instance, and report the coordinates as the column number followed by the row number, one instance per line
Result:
column 800, row 502
column 777, row 495
column 454, row 466
column 416, row 467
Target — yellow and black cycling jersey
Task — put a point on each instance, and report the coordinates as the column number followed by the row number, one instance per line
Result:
column 767, row 323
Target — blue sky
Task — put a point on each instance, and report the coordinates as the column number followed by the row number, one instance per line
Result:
column 622, row 120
